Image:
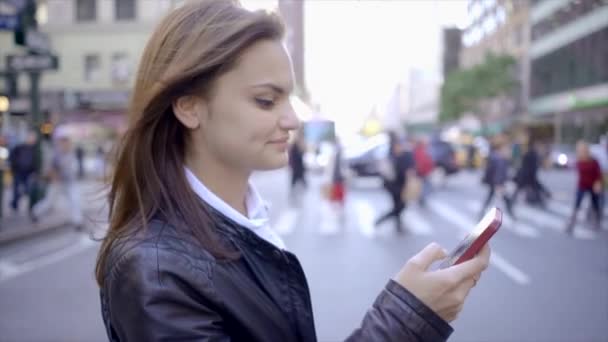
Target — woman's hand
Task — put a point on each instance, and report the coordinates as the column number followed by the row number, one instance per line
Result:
column 444, row 291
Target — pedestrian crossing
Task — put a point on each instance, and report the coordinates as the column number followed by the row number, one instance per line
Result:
column 361, row 212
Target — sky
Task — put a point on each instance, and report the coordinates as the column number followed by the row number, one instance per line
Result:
column 356, row 52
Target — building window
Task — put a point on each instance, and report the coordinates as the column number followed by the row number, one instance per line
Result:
column 579, row 64
column 86, row 10
column 567, row 14
column 92, row 68
column 125, row 9
column 121, row 67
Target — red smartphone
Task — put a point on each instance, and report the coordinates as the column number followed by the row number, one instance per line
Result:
column 475, row 240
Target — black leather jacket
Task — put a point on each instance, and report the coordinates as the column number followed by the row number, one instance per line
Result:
column 160, row 285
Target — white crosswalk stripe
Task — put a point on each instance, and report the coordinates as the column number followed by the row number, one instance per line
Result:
column 465, row 224
column 361, row 213
column 364, row 215
column 545, row 219
column 415, row 223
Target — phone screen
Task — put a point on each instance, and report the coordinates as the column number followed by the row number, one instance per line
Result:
column 464, row 245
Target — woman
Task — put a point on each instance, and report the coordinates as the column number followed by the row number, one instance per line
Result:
column 589, row 182
column 189, row 254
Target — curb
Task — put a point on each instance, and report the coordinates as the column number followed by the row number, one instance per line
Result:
column 20, row 234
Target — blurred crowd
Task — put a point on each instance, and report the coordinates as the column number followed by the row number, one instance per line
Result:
column 36, row 173
column 409, row 166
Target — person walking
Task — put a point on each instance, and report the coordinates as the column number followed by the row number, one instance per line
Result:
column 496, row 175
column 424, row 167
column 189, row 253
column 22, row 159
column 526, row 178
column 62, row 175
column 399, row 164
column 297, row 167
column 589, row 182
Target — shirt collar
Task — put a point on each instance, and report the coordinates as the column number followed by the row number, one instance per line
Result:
column 257, row 209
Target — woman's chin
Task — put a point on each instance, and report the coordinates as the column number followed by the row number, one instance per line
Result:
column 273, row 162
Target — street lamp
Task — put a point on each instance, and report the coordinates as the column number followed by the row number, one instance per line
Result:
column 5, row 103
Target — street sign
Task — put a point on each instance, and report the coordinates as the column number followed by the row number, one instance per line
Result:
column 35, row 41
column 32, row 62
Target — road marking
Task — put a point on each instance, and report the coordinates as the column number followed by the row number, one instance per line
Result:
column 561, row 207
column 517, row 227
column 547, row 220
column 330, row 219
column 286, row 223
column 415, row 223
column 465, row 224
column 507, row 268
column 365, row 217
column 10, row 270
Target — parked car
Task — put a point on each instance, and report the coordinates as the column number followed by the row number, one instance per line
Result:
column 363, row 158
column 562, row 156
column 444, row 156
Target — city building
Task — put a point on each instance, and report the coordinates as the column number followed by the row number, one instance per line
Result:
column 569, row 67
column 98, row 44
column 500, row 27
column 452, row 44
column 292, row 12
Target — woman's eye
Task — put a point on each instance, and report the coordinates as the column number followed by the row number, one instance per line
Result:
column 264, row 103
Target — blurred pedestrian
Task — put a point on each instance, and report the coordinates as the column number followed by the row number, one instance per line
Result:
column 471, row 151
column 62, row 176
column 496, row 175
column 4, row 166
column 23, row 168
column 337, row 193
column 424, row 167
column 297, row 167
column 100, row 162
column 80, row 159
column 189, row 253
column 526, row 177
column 589, row 182
column 397, row 167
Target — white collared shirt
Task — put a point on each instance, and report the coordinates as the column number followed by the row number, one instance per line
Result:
column 258, row 220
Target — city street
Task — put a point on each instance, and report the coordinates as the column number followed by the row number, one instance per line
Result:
column 542, row 285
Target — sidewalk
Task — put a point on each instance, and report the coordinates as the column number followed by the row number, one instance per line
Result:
column 16, row 226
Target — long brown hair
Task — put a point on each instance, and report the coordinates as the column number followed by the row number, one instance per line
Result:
column 190, row 48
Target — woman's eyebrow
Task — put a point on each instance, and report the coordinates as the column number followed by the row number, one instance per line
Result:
column 276, row 88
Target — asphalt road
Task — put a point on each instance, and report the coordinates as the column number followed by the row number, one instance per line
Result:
column 541, row 286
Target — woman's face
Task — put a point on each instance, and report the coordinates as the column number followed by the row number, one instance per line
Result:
column 248, row 117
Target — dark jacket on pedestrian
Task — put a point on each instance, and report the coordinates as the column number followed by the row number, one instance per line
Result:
column 296, row 159
column 527, row 173
column 497, row 170
column 401, row 163
column 23, row 159
column 161, row 285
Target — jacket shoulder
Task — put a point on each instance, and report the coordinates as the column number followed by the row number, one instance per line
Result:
column 158, row 246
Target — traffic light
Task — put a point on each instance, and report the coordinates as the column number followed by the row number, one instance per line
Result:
column 27, row 20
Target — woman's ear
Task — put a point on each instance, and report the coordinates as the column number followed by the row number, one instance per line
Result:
column 190, row 110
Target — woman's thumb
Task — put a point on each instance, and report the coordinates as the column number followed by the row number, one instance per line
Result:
column 431, row 253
